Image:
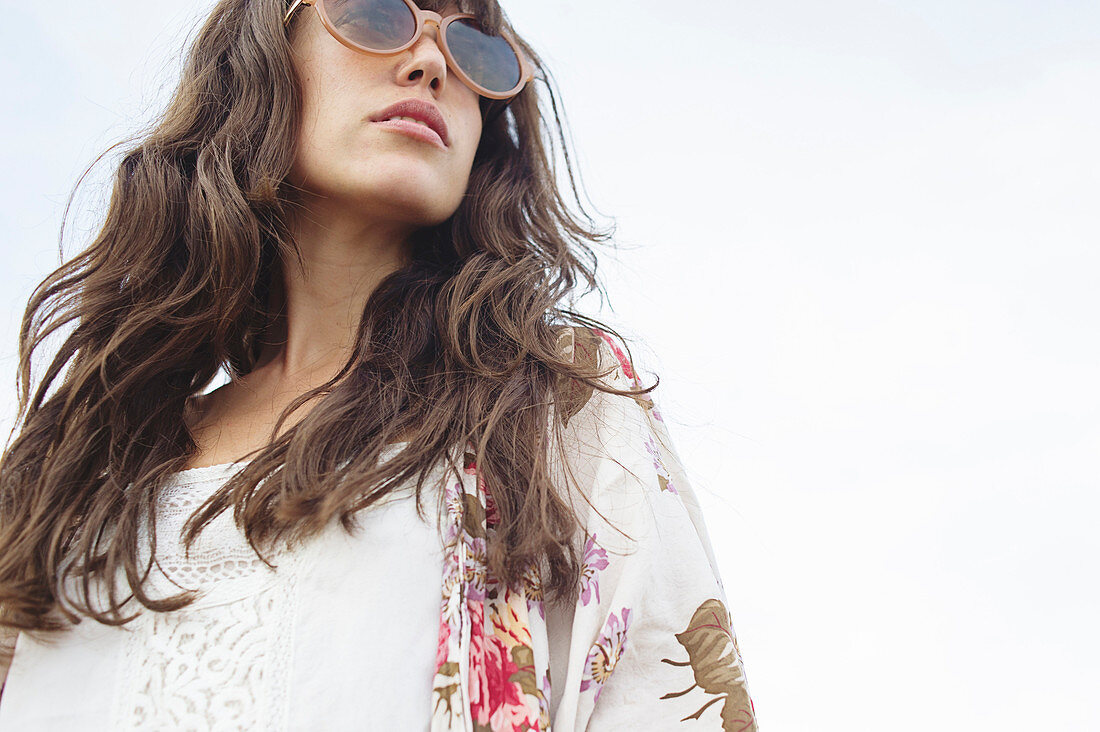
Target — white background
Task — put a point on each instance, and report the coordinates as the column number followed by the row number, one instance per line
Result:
column 860, row 245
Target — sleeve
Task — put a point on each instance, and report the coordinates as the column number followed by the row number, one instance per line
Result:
column 650, row 641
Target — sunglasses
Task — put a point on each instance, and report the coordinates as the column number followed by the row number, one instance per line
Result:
column 492, row 66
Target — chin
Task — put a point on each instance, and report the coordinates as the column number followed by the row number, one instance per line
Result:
column 407, row 190
column 412, row 205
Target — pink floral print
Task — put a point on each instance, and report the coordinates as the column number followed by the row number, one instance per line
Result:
column 606, row 652
column 663, row 475
column 486, row 676
column 595, row 559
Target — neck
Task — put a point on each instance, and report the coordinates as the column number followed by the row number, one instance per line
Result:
column 317, row 303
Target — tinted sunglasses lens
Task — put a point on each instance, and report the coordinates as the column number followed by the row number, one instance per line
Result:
column 487, row 60
column 382, row 25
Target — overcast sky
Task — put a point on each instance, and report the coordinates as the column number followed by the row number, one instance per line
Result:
column 860, row 246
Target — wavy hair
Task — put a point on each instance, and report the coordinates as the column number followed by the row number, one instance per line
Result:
column 459, row 346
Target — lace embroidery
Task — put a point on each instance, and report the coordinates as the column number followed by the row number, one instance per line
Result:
column 220, row 565
column 223, row 662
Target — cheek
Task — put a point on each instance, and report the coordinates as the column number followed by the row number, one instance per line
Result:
column 329, row 120
column 327, row 96
column 471, row 136
column 466, row 132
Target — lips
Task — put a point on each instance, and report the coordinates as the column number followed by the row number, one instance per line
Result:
column 424, row 112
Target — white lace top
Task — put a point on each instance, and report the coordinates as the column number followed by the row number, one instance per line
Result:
column 349, row 623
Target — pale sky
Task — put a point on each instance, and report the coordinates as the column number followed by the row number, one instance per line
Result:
column 860, row 246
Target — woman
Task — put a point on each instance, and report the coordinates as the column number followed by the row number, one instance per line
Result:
column 351, row 207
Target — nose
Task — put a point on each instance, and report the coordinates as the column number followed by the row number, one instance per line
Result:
column 425, row 63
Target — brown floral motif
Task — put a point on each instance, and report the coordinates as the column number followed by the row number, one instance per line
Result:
column 487, row 515
column 715, row 660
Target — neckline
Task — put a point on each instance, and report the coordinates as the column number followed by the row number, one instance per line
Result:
column 205, row 471
column 202, row 469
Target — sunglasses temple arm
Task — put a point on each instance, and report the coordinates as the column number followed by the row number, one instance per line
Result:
column 290, row 11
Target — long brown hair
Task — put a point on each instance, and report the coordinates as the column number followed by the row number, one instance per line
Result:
column 460, row 346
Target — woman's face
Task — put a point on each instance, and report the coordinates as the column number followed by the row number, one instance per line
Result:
column 371, row 166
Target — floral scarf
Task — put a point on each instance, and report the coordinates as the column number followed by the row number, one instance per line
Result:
column 485, row 679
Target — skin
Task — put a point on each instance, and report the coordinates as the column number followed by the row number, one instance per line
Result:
column 365, row 189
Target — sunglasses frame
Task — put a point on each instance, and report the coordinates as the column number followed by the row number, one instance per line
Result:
column 423, row 17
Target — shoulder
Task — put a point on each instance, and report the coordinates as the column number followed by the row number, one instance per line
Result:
column 591, row 346
column 609, row 431
column 596, row 351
